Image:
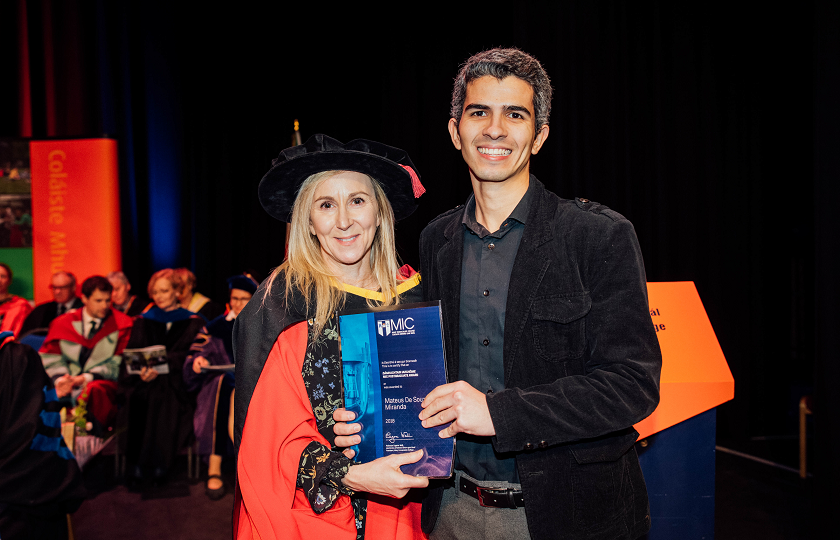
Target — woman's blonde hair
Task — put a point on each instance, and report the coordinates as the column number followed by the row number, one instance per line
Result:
column 305, row 270
column 169, row 275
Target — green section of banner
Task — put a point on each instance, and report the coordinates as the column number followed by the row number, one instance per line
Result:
column 20, row 261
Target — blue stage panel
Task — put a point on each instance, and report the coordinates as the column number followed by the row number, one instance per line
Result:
column 679, row 468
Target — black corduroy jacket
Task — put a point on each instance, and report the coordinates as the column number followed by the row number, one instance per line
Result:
column 581, row 364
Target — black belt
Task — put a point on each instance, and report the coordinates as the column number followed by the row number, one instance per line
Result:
column 494, row 497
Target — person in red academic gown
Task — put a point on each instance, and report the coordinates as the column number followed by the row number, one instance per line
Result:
column 291, row 483
column 83, row 350
column 13, row 309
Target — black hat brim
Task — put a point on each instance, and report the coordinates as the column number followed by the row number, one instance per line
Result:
column 279, row 187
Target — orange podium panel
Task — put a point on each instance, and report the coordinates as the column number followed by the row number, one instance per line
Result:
column 75, row 210
column 695, row 375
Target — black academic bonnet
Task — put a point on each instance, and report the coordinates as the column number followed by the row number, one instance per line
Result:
column 390, row 166
column 243, row 282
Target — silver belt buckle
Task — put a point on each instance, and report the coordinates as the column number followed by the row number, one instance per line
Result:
column 507, row 491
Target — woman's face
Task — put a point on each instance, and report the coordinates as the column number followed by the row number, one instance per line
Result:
column 344, row 216
column 238, row 299
column 5, row 281
column 164, row 295
column 185, row 297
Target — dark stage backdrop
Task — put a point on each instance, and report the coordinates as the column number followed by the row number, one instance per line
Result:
column 697, row 124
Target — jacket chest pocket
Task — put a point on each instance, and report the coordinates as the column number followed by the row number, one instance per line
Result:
column 557, row 326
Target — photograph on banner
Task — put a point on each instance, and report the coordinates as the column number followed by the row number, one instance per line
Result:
column 15, row 194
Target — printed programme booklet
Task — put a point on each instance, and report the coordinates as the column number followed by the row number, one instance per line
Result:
column 391, row 359
column 153, row 357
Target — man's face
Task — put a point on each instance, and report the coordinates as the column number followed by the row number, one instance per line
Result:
column 496, row 133
column 238, row 299
column 121, row 290
column 62, row 289
column 97, row 304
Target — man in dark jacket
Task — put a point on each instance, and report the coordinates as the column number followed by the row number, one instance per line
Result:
column 549, row 338
column 63, row 287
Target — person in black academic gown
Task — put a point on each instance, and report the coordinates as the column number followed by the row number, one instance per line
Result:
column 213, row 347
column 157, row 408
column 40, row 481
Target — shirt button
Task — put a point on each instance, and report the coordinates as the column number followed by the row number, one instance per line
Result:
column 529, row 446
column 486, row 342
column 542, row 444
column 486, row 292
column 584, row 200
column 491, row 246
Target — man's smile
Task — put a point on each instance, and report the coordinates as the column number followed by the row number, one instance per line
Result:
column 494, row 151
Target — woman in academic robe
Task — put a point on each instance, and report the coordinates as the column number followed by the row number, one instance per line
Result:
column 213, row 347
column 193, row 300
column 342, row 201
column 13, row 309
column 157, row 408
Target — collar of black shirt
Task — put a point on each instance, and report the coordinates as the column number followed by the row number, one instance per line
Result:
column 520, row 214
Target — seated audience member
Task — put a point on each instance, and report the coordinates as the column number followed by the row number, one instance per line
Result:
column 212, row 347
column 82, row 353
column 195, row 301
column 63, row 287
column 40, row 481
column 13, row 309
column 122, row 299
column 157, row 409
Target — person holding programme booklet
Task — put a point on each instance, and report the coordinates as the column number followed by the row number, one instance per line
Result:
column 342, row 201
column 157, row 409
column 213, row 347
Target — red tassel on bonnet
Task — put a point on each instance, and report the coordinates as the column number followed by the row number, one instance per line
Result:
column 415, row 182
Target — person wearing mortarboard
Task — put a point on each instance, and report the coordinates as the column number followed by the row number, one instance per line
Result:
column 212, row 347
column 342, row 201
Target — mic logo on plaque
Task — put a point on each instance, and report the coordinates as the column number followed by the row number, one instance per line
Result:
column 400, row 327
column 383, row 327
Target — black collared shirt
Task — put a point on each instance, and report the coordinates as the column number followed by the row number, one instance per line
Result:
column 485, row 274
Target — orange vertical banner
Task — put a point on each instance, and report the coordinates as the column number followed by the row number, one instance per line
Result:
column 75, row 210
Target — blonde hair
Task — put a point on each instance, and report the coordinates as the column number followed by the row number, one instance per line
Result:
column 185, row 277
column 169, row 275
column 305, row 270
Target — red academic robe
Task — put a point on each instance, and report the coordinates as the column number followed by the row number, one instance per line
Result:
column 12, row 314
column 279, row 425
column 109, row 341
column 62, row 329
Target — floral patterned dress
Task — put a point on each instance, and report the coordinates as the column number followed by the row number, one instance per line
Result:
column 321, row 469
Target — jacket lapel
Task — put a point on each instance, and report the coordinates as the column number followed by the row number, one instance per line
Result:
column 449, row 260
column 529, row 268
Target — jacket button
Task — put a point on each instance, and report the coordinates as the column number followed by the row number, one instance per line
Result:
column 543, row 444
column 486, row 292
column 491, row 247
column 529, row 446
column 486, row 342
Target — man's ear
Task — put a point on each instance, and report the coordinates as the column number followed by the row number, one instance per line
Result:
column 542, row 135
column 453, row 132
